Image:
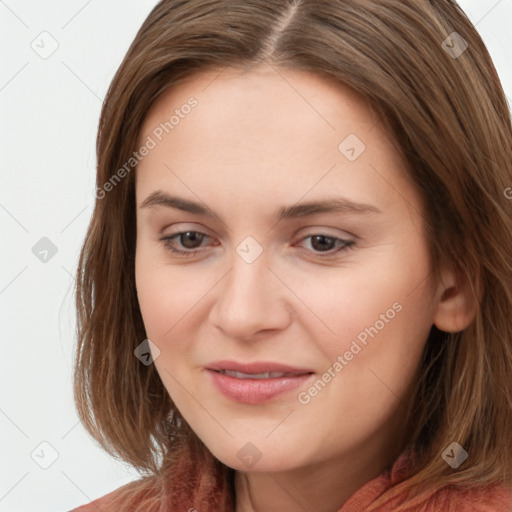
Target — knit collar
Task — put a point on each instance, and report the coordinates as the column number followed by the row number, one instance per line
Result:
column 202, row 483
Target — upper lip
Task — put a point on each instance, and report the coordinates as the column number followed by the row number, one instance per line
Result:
column 256, row 367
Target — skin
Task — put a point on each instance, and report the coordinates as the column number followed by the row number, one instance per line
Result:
column 256, row 142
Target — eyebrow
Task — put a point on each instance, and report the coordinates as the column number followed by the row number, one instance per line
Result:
column 329, row 205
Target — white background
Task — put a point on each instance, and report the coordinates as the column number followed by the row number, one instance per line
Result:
column 49, row 114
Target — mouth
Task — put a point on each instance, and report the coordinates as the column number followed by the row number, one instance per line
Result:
column 264, row 375
column 260, row 385
column 257, row 368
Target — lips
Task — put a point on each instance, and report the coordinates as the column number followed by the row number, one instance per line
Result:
column 254, row 383
column 258, row 367
column 265, row 375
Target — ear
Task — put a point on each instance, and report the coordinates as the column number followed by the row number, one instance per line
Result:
column 456, row 303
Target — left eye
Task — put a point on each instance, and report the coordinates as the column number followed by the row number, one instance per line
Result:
column 319, row 242
column 192, row 240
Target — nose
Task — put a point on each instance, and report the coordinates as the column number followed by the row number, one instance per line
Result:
column 250, row 299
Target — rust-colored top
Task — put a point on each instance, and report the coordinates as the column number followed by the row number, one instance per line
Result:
column 201, row 488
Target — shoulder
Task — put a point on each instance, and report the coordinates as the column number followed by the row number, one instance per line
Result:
column 143, row 495
column 477, row 499
column 99, row 504
column 489, row 498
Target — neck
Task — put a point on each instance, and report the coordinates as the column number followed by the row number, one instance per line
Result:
column 299, row 489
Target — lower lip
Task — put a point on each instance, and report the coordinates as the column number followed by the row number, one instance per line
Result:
column 255, row 391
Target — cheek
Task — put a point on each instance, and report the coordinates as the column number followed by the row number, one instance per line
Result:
column 352, row 301
column 377, row 318
column 155, row 299
column 167, row 295
column 371, row 359
column 168, row 301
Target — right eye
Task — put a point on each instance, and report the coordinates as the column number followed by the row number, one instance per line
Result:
column 185, row 240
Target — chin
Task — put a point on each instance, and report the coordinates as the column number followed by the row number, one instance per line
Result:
column 253, row 457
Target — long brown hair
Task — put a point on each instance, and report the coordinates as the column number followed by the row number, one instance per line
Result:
column 445, row 106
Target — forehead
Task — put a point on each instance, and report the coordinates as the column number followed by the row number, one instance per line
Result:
column 282, row 132
column 234, row 93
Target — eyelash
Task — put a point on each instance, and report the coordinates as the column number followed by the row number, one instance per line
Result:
column 346, row 244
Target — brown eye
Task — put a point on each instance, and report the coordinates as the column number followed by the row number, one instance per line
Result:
column 189, row 239
column 323, row 243
column 320, row 243
column 188, row 242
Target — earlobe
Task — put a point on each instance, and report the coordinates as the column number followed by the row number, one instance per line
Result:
column 456, row 302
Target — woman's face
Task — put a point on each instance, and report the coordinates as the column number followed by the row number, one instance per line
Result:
column 303, row 245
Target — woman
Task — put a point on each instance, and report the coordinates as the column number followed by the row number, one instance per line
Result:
column 295, row 292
